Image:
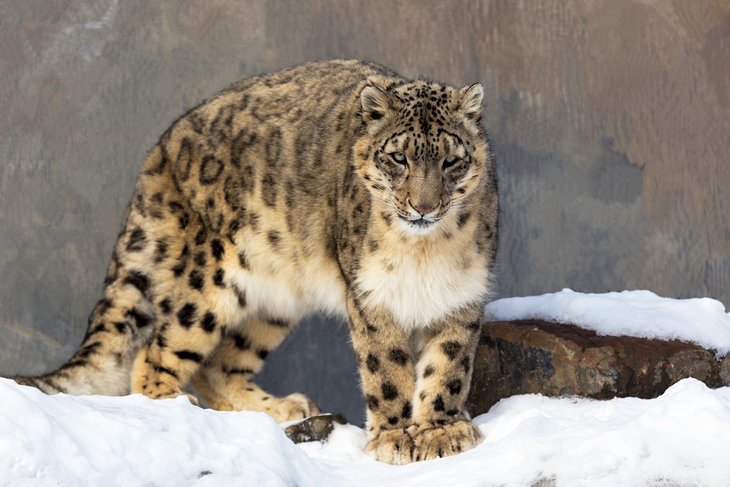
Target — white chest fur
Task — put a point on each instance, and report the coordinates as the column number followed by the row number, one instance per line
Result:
column 419, row 285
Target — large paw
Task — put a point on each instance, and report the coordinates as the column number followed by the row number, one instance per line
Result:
column 160, row 388
column 392, row 446
column 432, row 441
column 171, row 393
column 289, row 408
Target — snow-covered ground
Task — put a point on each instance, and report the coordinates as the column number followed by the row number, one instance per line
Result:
column 680, row 438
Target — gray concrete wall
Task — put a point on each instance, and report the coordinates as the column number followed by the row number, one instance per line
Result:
column 610, row 121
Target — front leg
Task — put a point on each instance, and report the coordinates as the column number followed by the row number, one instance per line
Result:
column 388, row 381
column 441, row 427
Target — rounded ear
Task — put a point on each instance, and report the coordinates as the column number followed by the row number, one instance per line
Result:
column 375, row 103
column 470, row 100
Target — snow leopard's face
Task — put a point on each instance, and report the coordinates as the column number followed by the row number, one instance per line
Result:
column 423, row 151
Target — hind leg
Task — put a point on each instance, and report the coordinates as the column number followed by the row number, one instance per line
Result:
column 192, row 313
column 225, row 381
column 186, row 336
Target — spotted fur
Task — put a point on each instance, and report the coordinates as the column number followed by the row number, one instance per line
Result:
column 336, row 187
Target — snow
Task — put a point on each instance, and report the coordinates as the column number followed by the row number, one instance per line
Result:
column 679, row 438
column 643, row 314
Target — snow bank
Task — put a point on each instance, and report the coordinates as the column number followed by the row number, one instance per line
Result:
column 132, row 440
column 678, row 438
column 631, row 313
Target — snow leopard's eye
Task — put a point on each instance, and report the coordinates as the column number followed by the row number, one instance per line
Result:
column 451, row 161
column 398, row 157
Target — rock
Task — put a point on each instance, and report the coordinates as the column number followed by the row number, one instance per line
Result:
column 314, row 428
column 531, row 356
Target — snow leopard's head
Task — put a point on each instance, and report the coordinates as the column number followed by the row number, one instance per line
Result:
column 423, row 151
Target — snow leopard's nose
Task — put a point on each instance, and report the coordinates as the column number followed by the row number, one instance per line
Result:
column 422, row 208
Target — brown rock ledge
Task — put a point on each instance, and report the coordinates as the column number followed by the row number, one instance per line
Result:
column 532, row 356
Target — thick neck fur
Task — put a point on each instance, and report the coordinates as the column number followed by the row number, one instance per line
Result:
column 417, row 278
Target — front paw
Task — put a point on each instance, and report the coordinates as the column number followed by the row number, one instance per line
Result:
column 394, row 446
column 434, row 441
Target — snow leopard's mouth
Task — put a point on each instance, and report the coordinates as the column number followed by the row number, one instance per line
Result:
column 419, row 225
column 421, row 222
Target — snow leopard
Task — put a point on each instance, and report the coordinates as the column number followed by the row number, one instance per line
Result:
column 337, row 187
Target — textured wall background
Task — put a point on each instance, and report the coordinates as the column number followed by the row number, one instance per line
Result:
column 610, row 121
